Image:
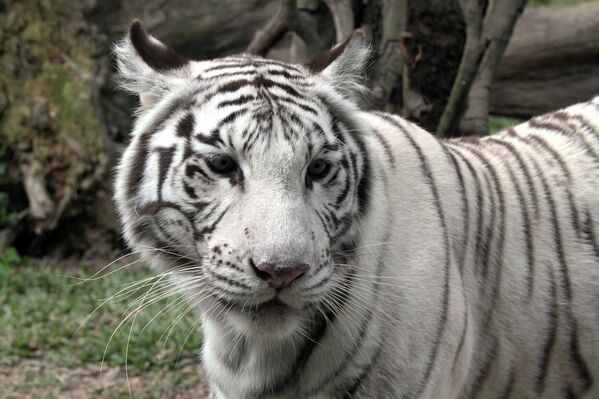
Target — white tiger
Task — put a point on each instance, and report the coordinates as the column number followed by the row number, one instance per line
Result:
column 337, row 253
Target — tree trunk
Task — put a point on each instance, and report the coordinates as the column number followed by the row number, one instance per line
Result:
column 60, row 152
column 497, row 31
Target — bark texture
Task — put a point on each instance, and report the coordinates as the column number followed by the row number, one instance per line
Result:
column 59, row 151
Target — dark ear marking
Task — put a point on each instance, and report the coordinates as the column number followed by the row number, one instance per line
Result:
column 322, row 61
column 157, row 55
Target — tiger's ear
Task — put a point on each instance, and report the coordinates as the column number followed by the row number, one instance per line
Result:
column 343, row 65
column 148, row 67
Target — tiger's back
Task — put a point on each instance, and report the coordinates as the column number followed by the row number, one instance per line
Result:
column 524, row 235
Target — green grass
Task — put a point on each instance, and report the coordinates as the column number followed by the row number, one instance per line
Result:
column 41, row 310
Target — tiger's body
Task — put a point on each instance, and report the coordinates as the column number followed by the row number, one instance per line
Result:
column 464, row 268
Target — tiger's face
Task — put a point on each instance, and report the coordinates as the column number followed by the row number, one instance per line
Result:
column 242, row 185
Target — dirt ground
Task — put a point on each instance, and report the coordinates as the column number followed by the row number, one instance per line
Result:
column 32, row 378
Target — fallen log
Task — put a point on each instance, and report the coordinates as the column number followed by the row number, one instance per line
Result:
column 551, row 61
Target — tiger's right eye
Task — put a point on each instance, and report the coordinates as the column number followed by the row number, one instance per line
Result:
column 318, row 169
column 222, row 164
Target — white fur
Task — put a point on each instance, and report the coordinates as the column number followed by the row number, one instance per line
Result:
column 398, row 290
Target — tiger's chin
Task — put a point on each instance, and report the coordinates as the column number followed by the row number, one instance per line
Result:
column 270, row 319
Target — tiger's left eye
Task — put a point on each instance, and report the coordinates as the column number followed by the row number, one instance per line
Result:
column 318, row 169
column 222, row 164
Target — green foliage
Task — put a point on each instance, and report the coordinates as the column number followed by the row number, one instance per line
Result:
column 10, row 258
column 555, row 2
column 41, row 310
column 498, row 123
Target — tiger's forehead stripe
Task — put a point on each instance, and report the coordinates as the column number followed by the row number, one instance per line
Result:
column 240, row 62
column 286, row 97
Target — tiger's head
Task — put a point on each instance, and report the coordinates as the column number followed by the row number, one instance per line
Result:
column 245, row 178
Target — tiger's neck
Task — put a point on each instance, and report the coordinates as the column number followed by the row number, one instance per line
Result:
column 386, row 280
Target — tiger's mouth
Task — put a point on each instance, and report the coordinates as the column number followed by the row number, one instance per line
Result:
column 271, row 307
column 273, row 318
column 274, row 305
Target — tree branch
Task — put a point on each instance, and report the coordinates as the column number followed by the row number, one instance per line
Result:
column 289, row 18
column 473, row 11
column 343, row 16
column 498, row 28
column 303, row 26
column 264, row 39
column 390, row 64
column 41, row 206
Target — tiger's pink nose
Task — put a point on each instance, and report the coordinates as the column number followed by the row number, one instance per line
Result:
column 280, row 277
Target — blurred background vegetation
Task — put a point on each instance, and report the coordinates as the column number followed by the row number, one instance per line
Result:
column 63, row 125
